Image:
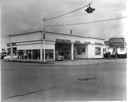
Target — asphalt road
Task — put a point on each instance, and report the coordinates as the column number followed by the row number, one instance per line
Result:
column 26, row 82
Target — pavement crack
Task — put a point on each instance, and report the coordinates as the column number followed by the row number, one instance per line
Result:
column 87, row 79
column 40, row 90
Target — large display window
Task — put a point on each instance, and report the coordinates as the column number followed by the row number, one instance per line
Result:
column 29, row 54
column 20, row 54
column 49, row 54
column 80, row 50
column 36, row 54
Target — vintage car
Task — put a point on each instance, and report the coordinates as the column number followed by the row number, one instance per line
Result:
column 9, row 58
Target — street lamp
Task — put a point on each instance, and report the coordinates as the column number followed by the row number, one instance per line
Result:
column 89, row 9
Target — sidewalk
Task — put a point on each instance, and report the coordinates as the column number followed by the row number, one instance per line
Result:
column 89, row 61
column 75, row 62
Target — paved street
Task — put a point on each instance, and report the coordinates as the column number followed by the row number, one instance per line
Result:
column 34, row 82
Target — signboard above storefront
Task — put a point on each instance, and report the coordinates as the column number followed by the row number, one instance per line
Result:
column 77, row 42
column 63, row 41
column 9, row 44
column 97, row 43
column 87, row 42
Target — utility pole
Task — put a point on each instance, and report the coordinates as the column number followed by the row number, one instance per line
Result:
column 11, row 48
column 44, row 39
column 41, row 56
column 11, row 51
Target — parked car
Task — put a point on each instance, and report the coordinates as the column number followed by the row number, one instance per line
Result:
column 8, row 57
column 60, row 58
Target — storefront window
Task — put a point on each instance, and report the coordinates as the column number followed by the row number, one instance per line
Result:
column 28, row 54
column 14, row 50
column 80, row 50
column 20, row 54
column 48, row 54
column 36, row 54
column 97, row 50
column 8, row 51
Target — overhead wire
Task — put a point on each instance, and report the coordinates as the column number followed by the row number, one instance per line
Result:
column 81, row 23
column 67, row 12
column 94, row 13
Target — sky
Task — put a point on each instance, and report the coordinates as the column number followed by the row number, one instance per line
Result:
column 20, row 16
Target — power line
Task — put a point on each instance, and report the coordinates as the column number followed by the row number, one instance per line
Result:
column 67, row 13
column 100, row 12
column 97, row 21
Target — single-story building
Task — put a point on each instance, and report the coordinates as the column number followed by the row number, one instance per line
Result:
column 46, row 47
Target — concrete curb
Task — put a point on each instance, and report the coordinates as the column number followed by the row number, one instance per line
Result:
column 90, row 62
column 75, row 62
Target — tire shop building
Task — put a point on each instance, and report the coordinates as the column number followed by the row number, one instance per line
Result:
column 37, row 46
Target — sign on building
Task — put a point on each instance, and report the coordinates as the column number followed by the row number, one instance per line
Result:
column 87, row 42
column 77, row 42
column 9, row 44
column 116, row 42
column 97, row 43
column 62, row 41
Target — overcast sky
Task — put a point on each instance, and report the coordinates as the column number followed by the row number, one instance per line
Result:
column 19, row 16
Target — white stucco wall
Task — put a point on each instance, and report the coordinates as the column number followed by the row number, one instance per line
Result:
column 26, row 37
column 91, row 51
column 36, row 45
column 73, row 38
column 121, row 50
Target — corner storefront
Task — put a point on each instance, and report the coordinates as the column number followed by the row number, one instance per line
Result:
column 30, row 46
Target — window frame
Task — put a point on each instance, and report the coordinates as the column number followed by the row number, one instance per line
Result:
column 97, row 50
column 81, row 50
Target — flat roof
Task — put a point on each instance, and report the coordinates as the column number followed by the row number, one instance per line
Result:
column 55, row 33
